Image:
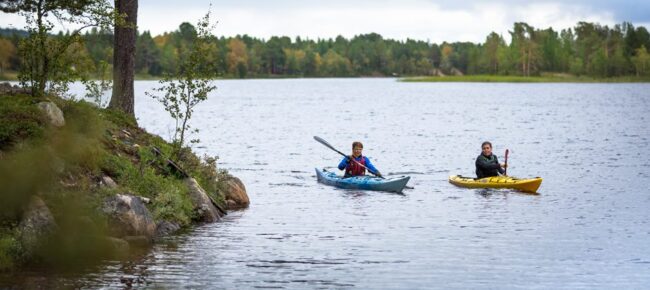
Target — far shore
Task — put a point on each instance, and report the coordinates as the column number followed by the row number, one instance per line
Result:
column 532, row 79
column 550, row 78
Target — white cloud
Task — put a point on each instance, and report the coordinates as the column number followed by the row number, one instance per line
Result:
column 416, row 19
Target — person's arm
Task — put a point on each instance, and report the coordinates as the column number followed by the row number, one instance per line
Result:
column 500, row 168
column 344, row 163
column 371, row 167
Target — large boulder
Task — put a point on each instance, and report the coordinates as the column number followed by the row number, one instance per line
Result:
column 166, row 228
column 128, row 216
column 36, row 225
column 53, row 113
column 203, row 206
column 235, row 193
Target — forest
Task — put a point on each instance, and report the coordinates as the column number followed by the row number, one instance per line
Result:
column 588, row 49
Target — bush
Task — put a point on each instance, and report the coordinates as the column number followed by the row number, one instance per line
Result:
column 20, row 119
column 10, row 251
column 173, row 204
column 169, row 194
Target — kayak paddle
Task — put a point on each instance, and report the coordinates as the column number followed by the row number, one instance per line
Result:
column 320, row 140
column 505, row 171
column 328, row 145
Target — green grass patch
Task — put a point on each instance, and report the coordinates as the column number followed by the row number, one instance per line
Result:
column 544, row 78
column 65, row 165
column 10, row 250
column 146, row 177
column 20, row 119
column 8, row 76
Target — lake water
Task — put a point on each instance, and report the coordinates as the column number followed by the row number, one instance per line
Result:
column 589, row 226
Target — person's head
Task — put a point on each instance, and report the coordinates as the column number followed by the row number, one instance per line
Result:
column 486, row 148
column 357, row 147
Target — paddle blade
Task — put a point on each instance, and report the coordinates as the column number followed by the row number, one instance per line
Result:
column 322, row 141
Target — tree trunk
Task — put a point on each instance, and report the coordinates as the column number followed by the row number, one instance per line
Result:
column 124, row 58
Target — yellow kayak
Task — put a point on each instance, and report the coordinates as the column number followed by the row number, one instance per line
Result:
column 523, row 184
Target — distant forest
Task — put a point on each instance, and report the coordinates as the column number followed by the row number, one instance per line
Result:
column 587, row 49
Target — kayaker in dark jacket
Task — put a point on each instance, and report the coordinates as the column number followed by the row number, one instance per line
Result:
column 353, row 168
column 487, row 164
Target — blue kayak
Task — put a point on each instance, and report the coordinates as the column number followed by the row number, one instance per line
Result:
column 362, row 182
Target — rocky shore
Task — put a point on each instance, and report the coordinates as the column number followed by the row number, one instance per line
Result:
column 82, row 182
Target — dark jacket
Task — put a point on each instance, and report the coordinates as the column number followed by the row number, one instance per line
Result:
column 488, row 166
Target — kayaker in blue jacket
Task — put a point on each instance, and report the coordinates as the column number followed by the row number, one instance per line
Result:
column 353, row 168
column 487, row 164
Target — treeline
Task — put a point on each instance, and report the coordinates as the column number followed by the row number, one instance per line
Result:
column 586, row 49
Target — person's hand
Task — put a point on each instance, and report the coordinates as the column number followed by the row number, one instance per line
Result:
column 350, row 158
column 379, row 174
column 504, row 165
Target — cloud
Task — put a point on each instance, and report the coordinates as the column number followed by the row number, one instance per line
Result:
column 435, row 21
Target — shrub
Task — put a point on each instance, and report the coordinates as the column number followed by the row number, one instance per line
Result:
column 20, row 119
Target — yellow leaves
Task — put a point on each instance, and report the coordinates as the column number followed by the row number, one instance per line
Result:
column 161, row 40
column 641, row 60
column 447, row 50
column 7, row 50
column 237, row 54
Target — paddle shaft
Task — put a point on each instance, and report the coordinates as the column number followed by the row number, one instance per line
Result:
column 505, row 171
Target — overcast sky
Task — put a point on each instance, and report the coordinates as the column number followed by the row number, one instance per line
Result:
column 435, row 21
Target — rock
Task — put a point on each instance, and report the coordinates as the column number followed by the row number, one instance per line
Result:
column 108, row 182
column 37, row 225
column 128, row 216
column 117, row 246
column 236, row 192
column 165, row 228
column 206, row 211
column 456, row 72
column 7, row 89
column 53, row 113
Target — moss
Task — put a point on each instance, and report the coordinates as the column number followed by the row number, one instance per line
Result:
column 173, row 204
column 119, row 119
column 19, row 120
column 10, row 251
column 169, row 194
column 66, row 164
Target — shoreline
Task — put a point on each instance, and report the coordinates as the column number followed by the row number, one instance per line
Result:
column 87, row 183
column 521, row 79
column 434, row 79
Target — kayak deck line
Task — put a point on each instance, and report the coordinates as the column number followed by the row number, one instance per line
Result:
column 523, row 184
column 365, row 182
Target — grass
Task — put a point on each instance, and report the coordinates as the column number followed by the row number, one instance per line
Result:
column 64, row 166
column 544, row 78
column 20, row 119
column 9, row 76
column 10, row 250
